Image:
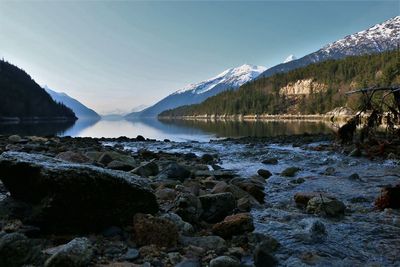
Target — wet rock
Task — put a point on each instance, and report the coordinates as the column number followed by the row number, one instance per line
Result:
column 329, row 171
column 298, row 181
column 140, row 138
column 290, row 172
column 17, row 250
column 264, row 173
column 149, row 230
column 74, row 197
column 302, row 198
column 207, row 242
column 105, row 158
column 73, row 157
column 183, row 227
column 14, row 138
column 188, row 207
column 234, row 225
column 389, row 198
column 224, row 261
column 244, row 204
column 220, row 187
column 270, row 161
column 355, row 153
column 217, row 206
column 77, row 253
column 326, row 206
column 263, row 253
column 315, row 230
column 175, row 171
column 256, row 190
column 130, row 255
column 147, row 169
column 354, row 177
column 207, row 158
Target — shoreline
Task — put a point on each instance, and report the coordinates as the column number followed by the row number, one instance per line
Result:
column 263, row 117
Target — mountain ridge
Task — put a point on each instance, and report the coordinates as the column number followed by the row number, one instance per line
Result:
column 196, row 93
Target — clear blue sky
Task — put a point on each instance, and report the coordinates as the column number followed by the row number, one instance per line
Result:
column 118, row 55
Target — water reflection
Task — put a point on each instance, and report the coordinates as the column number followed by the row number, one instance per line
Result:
column 35, row 128
column 176, row 130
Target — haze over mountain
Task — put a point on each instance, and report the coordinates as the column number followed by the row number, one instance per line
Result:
column 80, row 110
column 198, row 92
column 380, row 37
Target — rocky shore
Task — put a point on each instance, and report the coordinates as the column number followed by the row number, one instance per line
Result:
column 95, row 202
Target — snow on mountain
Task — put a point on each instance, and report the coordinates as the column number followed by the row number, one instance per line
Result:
column 380, row 37
column 289, row 58
column 198, row 92
column 80, row 110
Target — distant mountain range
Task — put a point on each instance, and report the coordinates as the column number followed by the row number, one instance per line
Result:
column 381, row 37
column 80, row 110
column 197, row 93
column 21, row 98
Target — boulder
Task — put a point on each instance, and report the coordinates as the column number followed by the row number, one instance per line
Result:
column 73, row 157
column 188, row 207
column 121, row 165
column 234, row 225
column 14, row 138
column 302, row 198
column 263, row 253
column 147, row 169
column 217, row 206
column 224, row 261
column 17, row 250
column 77, row 253
column 290, row 172
column 326, row 206
column 389, row 198
column 175, row 171
column 264, row 173
column 183, row 227
column 149, row 230
column 73, row 197
column 270, row 161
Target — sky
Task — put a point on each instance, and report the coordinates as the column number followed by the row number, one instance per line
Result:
column 115, row 56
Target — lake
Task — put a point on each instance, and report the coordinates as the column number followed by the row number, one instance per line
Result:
column 175, row 130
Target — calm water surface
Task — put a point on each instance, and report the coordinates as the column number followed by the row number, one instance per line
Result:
column 175, row 130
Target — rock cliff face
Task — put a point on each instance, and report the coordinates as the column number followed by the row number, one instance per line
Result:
column 302, row 87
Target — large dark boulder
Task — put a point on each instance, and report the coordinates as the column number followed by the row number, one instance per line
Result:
column 217, row 206
column 69, row 197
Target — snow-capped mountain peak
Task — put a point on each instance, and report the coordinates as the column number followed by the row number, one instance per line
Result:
column 233, row 77
column 289, row 58
column 378, row 38
column 198, row 92
column 381, row 37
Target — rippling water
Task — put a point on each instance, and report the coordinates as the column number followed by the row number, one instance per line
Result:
column 364, row 237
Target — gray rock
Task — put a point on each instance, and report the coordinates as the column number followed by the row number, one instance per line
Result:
column 326, row 206
column 147, row 169
column 264, row 173
column 188, row 207
column 73, row 157
column 207, row 242
column 217, row 206
column 175, row 171
column 17, row 250
column 224, row 261
column 290, row 172
column 130, row 255
column 14, row 138
column 77, row 253
column 120, row 165
column 355, row 177
column 74, row 197
column 184, row 227
column 263, row 254
column 271, row 161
